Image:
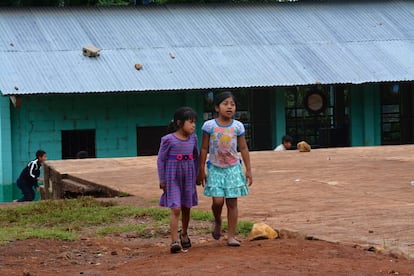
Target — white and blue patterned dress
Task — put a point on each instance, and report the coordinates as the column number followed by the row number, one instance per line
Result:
column 225, row 176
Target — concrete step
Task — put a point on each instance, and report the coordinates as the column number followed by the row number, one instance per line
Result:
column 72, row 186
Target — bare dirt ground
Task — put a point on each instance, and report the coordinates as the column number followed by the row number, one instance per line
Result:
column 118, row 256
column 351, row 198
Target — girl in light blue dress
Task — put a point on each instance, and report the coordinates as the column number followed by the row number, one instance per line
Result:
column 225, row 180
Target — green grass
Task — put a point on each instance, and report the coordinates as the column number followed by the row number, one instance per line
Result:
column 66, row 219
column 20, row 233
column 71, row 214
column 118, row 229
column 243, row 227
column 155, row 213
column 122, row 194
column 154, row 201
column 59, row 219
column 201, row 215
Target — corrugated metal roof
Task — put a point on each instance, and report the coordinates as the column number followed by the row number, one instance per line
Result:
column 215, row 46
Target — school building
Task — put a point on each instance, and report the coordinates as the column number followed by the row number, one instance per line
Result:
column 332, row 73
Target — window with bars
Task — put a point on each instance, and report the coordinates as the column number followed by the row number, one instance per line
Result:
column 78, row 144
column 302, row 124
column 397, row 113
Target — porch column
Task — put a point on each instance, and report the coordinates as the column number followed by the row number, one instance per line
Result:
column 195, row 100
column 6, row 175
column 279, row 116
column 365, row 115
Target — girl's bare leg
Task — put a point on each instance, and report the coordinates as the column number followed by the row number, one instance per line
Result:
column 175, row 215
column 185, row 219
column 232, row 215
column 217, row 207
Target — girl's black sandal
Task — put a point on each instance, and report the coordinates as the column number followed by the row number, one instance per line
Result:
column 175, row 247
column 185, row 244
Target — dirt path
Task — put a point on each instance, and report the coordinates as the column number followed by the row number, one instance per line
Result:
column 126, row 255
column 352, row 195
column 150, row 257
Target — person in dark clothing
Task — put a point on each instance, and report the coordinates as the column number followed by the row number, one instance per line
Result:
column 82, row 154
column 29, row 177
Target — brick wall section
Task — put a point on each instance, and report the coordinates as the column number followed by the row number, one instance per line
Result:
column 40, row 120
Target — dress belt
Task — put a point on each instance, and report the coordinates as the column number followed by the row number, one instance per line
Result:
column 180, row 157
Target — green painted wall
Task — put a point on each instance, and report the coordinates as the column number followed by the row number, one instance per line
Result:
column 365, row 115
column 279, row 116
column 196, row 101
column 6, row 177
column 40, row 120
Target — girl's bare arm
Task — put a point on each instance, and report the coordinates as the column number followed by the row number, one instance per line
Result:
column 201, row 179
column 244, row 150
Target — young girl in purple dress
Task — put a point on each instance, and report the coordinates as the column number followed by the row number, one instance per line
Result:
column 177, row 167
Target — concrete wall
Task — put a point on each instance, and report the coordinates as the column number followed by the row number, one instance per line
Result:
column 40, row 120
column 5, row 148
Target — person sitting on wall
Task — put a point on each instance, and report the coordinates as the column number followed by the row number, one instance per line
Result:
column 286, row 143
column 82, row 154
column 29, row 177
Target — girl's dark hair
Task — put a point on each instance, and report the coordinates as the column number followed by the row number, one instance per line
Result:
column 181, row 115
column 222, row 96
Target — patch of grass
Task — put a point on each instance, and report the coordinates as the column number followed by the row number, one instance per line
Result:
column 155, row 218
column 201, row 215
column 160, row 215
column 66, row 219
column 22, row 233
column 60, row 219
column 118, row 229
column 153, row 201
column 64, row 213
column 243, row 227
column 203, row 230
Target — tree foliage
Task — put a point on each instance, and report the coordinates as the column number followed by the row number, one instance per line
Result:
column 65, row 3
